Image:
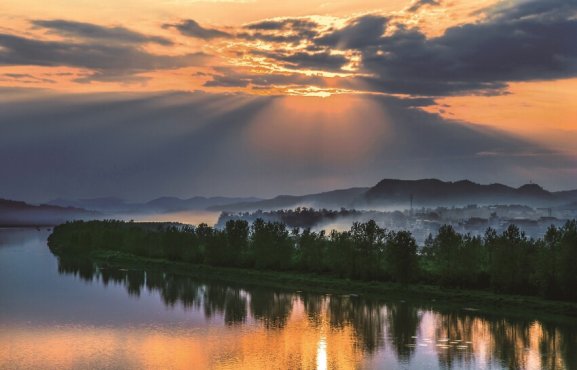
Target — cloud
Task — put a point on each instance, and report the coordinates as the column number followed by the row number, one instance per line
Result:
column 513, row 41
column 283, row 24
column 531, row 40
column 91, row 31
column 109, row 62
column 324, row 60
column 270, row 37
column 540, row 10
column 284, row 30
column 219, row 80
column 418, row 4
column 359, row 33
column 191, row 28
column 234, row 77
column 24, row 78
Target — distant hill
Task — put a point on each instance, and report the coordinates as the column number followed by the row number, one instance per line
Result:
column 433, row 192
column 16, row 213
column 335, row 199
column 388, row 193
column 425, row 193
column 105, row 204
column 111, row 205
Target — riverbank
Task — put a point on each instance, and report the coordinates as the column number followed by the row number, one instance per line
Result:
column 424, row 295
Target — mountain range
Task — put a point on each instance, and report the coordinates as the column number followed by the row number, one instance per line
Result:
column 110, row 205
column 393, row 193
column 388, row 193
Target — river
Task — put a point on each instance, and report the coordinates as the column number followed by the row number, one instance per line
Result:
column 67, row 314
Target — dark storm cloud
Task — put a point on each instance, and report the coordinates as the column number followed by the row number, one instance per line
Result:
column 140, row 146
column 323, row 61
column 409, row 102
column 543, row 10
column 191, row 28
column 513, row 41
column 418, row 4
column 95, row 32
column 288, row 30
column 530, row 41
column 359, row 33
column 108, row 61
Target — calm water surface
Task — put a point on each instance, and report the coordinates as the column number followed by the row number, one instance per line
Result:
column 59, row 314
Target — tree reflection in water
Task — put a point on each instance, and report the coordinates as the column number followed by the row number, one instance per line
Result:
column 403, row 322
column 459, row 338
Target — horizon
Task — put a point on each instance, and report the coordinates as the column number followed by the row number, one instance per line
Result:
column 320, row 192
column 245, row 198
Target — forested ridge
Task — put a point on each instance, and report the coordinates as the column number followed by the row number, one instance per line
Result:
column 506, row 262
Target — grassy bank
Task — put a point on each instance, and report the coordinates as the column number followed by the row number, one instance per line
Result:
column 423, row 295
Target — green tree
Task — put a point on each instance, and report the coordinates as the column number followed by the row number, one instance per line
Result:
column 512, row 261
column 340, row 254
column 369, row 241
column 216, row 249
column 312, row 250
column 547, row 269
column 237, row 242
column 272, row 245
column 568, row 259
column 443, row 251
column 401, row 256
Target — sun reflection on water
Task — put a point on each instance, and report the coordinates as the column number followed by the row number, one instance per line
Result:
column 322, row 354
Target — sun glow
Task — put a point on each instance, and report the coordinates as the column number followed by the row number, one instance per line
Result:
column 340, row 130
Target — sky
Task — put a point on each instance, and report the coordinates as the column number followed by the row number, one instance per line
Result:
column 139, row 99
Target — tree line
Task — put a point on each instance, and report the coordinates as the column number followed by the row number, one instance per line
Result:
column 301, row 217
column 507, row 262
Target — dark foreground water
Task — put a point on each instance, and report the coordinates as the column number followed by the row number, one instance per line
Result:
column 68, row 314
